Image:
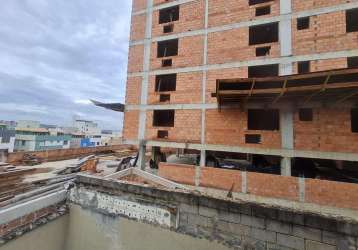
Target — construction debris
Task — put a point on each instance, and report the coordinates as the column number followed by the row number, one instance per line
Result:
column 31, row 160
column 22, row 182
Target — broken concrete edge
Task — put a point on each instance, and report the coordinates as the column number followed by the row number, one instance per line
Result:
column 19, row 210
column 27, row 223
column 173, row 199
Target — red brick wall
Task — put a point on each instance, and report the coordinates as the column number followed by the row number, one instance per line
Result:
column 232, row 11
column 131, row 122
column 321, row 65
column 221, row 179
column 133, row 90
column 188, row 89
column 321, row 192
column 299, row 5
column 229, row 127
column 190, row 53
column 331, row 193
column 138, row 27
column 329, row 131
column 327, row 33
column 138, row 5
column 191, row 17
column 187, row 125
column 275, row 186
column 180, row 173
column 135, row 58
column 233, row 45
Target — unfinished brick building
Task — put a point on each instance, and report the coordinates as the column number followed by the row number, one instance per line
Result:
column 273, row 78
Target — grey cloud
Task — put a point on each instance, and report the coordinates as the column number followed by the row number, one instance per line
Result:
column 55, row 52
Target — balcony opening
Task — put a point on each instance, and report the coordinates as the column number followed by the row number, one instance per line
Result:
column 261, row 11
column 263, row 70
column 263, row 51
column 354, row 120
column 163, row 118
column 167, row 48
column 263, row 119
column 352, row 62
column 165, row 82
column 164, row 98
column 304, row 67
column 352, row 20
column 167, row 63
column 303, row 23
column 254, row 2
column 305, row 115
column 168, row 28
column 265, row 33
column 252, row 138
column 163, row 134
column 168, row 15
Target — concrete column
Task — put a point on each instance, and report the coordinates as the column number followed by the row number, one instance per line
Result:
column 286, row 114
column 156, row 155
column 285, row 7
column 286, row 127
column 198, row 168
column 141, row 157
column 145, row 81
column 202, row 158
column 287, row 139
column 285, row 27
column 286, row 166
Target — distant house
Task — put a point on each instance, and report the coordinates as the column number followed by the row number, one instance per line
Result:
column 39, row 139
column 76, row 140
column 87, row 127
column 7, row 141
column 86, row 143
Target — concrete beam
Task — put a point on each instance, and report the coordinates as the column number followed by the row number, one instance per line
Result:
column 162, row 6
column 290, row 153
column 239, row 64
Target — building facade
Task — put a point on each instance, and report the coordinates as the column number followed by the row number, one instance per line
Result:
column 39, row 139
column 7, row 141
column 180, row 50
column 87, row 127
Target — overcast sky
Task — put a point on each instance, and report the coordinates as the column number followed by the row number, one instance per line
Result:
column 57, row 54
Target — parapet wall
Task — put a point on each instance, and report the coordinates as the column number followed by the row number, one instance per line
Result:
column 321, row 192
column 62, row 154
column 238, row 225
